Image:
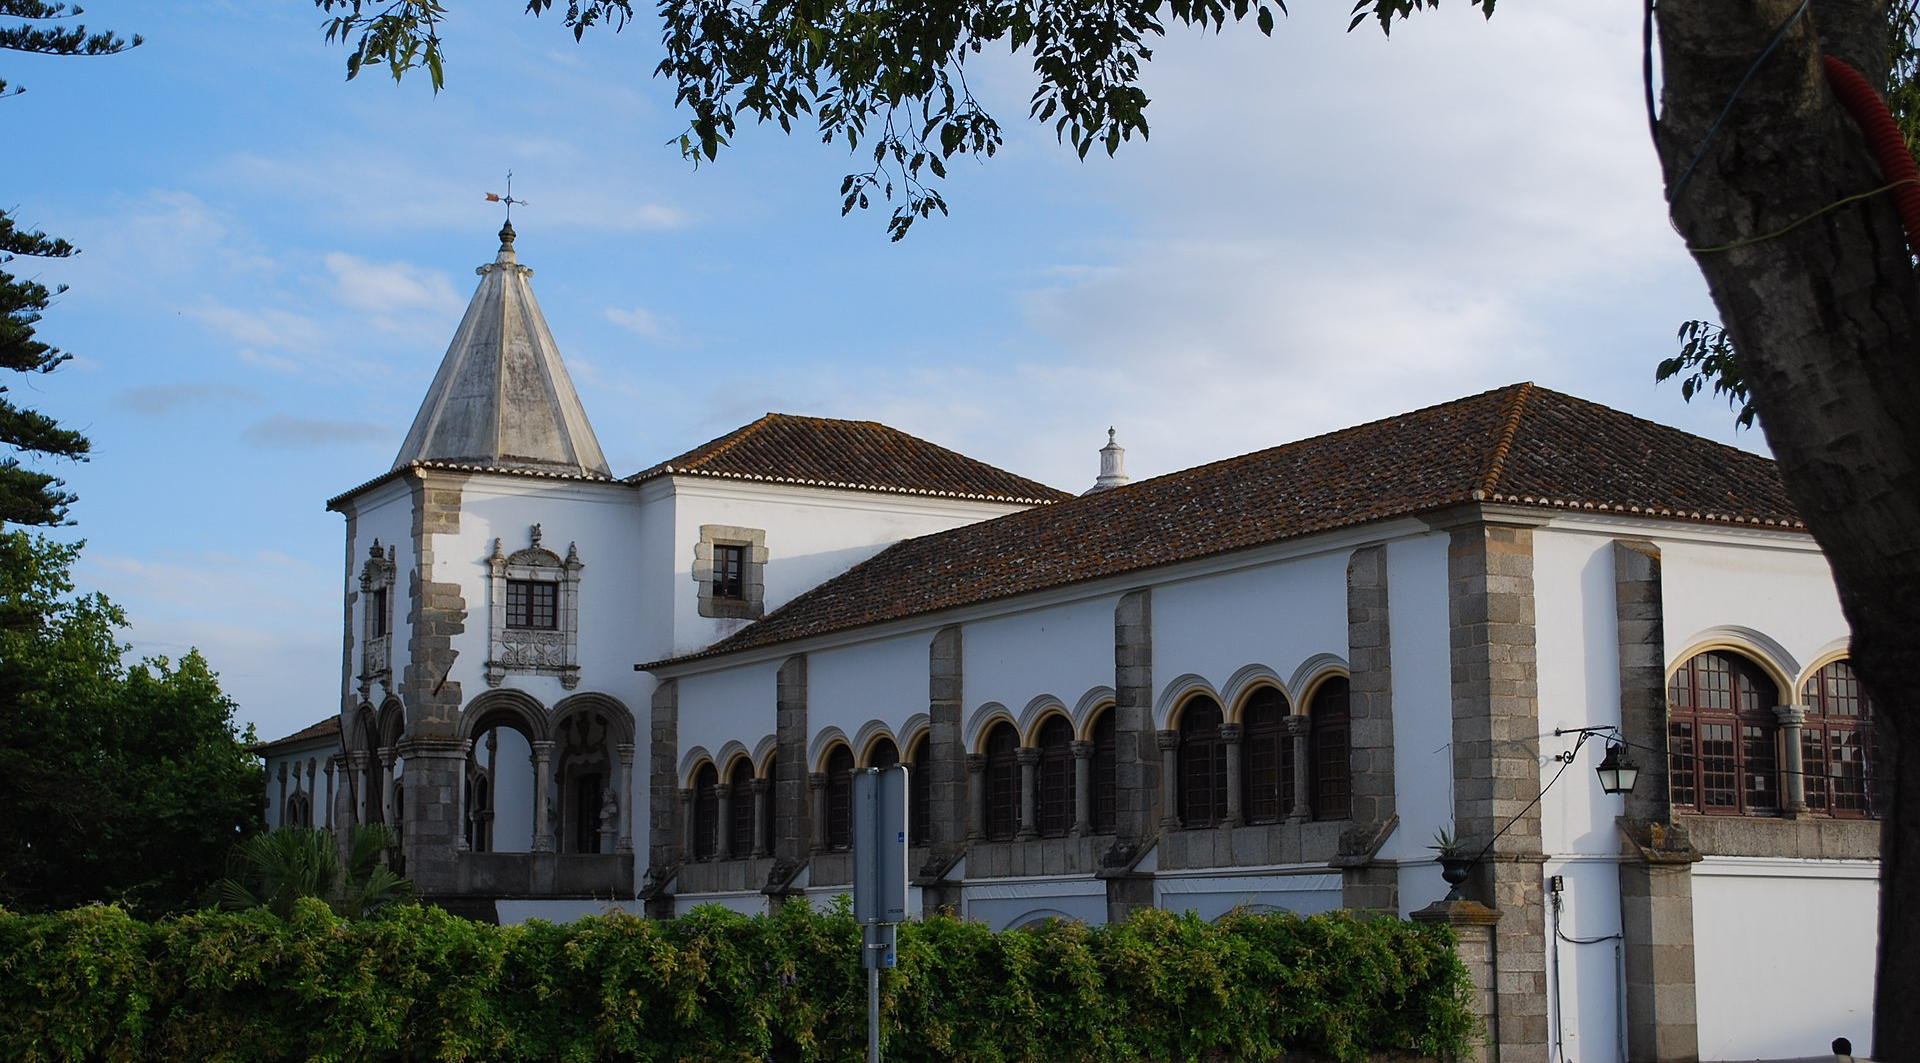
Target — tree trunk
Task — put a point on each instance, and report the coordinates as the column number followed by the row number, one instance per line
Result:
column 1826, row 317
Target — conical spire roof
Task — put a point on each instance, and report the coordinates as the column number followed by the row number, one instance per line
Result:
column 502, row 397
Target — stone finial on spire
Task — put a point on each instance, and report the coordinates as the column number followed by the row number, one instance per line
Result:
column 1113, row 466
column 506, row 237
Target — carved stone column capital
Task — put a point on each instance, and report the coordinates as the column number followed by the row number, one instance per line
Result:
column 1026, row 755
column 1790, row 715
column 1297, row 726
column 1082, row 750
column 761, row 786
column 1231, row 733
column 816, row 780
column 1166, row 741
column 976, row 763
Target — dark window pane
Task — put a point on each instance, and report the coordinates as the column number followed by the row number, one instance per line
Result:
column 919, row 794
column 740, row 808
column 1106, row 772
column 533, row 604
column 729, row 571
column 706, row 811
column 1056, row 777
column 1203, row 764
column 1721, row 733
column 1332, row 767
column 1266, row 748
column 1003, row 782
column 840, row 798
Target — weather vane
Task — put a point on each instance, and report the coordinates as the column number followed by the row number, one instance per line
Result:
column 507, row 199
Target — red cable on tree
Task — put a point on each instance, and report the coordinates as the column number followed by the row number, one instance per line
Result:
column 1870, row 113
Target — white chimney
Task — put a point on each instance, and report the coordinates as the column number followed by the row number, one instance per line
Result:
column 1113, row 466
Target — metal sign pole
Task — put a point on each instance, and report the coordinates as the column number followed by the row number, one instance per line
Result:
column 879, row 877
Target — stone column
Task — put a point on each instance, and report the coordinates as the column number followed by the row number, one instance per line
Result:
column 1169, row 743
column 1029, row 758
column 1365, row 883
column 1496, row 755
column 282, row 806
column 686, row 823
column 976, row 796
column 330, row 793
column 793, row 824
column 1082, row 789
column 624, row 842
column 666, row 837
column 1793, row 721
column 1298, row 728
column 1231, row 733
column 1473, row 924
column 360, row 759
column 386, row 787
column 760, row 825
column 817, row 782
column 723, row 840
column 542, row 796
column 460, row 843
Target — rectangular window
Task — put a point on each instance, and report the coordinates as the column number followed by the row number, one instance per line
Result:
column 729, row 570
column 533, row 604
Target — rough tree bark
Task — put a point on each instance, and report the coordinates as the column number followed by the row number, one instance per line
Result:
column 1826, row 317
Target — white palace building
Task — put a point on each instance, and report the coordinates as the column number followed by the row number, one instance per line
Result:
column 1262, row 683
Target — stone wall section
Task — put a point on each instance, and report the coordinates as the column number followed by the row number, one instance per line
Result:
column 664, row 853
column 1496, row 757
column 436, row 758
column 792, row 802
column 946, row 756
column 1364, row 884
column 1137, row 810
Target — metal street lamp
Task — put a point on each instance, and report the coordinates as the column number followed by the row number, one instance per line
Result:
column 1617, row 773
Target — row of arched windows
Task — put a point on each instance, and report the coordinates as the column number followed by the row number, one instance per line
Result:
column 1736, row 748
column 1282, row 758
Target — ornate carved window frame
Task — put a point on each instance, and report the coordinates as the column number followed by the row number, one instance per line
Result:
column 534, row 651
column 751, row 603
column 376, row 620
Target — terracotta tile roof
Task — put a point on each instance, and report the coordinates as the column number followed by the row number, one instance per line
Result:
column 857, row 455
column 1521, row 445
column 327, row 728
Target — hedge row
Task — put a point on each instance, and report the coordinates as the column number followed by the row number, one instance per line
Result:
column 419, row 984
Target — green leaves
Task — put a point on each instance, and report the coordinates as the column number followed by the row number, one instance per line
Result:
column 1707, row 359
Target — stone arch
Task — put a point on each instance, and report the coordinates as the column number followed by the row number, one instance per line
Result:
column 1840, row 649
column 1089, row 705
column 691, row 762
column 619, row 717
column 732, row 751
column 763, row 752
column 1037, row 917
column 1244, row 682
column 823, row 742
column 592, row 772
column 870, row 733
column 361, row 733
column 1039, row 706
column 1759, row 648
column 392, row 721
column 510, row 706
column 910, row 731
column 1312, row 672
column 1176, row 694
column 982, row 721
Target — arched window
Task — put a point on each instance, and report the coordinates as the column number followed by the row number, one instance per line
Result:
column 1003, row 782
column 587, row 803
column 840, row 798
column 1835, row 744
column 1329, row 743
column 1106, row 773
column 1203, row 764
column 740, row 808
column 1056, row 777
column 766, row 798
column 299, row 812
column 1267, row 781
column 920, row 792
column 706, row 810
column 883, row 753
column 1720, row 736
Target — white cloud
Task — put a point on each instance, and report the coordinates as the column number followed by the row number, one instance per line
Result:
column 388, row 288
column 639, row 321
column 287, row 432
column 261, row 326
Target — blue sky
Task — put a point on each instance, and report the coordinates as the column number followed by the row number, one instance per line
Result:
column 1326, row 227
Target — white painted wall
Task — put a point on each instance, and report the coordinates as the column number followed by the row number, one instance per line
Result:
column 1782, row 590
column 849, row 686
column 1277, row 615
column 813, row 534
column 297, row 760
column 1578, row 646
column 384, row 513
column 1585, row 975
column 1063, row 651
column 1783, row 954
column 1212, row 895
column 1417, row 618
column 733, row 704
column 1009, row 903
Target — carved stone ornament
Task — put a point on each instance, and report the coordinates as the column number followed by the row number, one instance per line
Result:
column 376, row 620
column 535, row 651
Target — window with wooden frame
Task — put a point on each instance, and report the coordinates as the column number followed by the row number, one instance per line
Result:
column 533, row 605
column 1329, row 743
column 1836, row 743
column 730, row 571
column 1721, row 736
column 740, row 808
column 1203, row 764
column 920, row 792
column 1054, row 806
column 1106, row 772
column 1003, row 782
column 706, row 811
column 1266, row 780
column 840, row 798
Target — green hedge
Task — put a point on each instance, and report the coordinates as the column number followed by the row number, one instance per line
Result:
column 96, row 984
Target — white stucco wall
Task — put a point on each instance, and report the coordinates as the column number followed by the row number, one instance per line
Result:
column 1277, row 615
column 1781, row 591
column 881, row 682
column 812, row 534
column 384, row 513
column 734, row 704
column 1578, row 646
column 1783, row 955
column 1422, row 668
column 297, row 761
column 1210, row 895
column 1062, row 652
